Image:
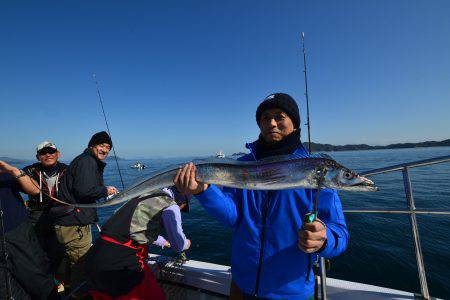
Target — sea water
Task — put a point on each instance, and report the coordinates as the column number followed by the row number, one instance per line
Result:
column 380, row 251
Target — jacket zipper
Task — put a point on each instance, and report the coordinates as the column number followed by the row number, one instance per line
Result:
column 261, row 251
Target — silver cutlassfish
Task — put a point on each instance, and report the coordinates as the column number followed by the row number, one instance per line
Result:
column 276, row 173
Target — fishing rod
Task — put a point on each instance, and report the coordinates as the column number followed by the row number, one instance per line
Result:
column 107, row 127
column 312, row 216
column 306, row 92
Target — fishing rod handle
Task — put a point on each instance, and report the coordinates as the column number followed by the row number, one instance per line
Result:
column 310, row 217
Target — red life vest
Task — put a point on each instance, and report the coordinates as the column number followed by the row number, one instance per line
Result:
column 142, row 252
column 147, row 289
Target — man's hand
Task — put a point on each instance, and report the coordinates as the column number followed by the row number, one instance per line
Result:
column 112, row 190
column 27, row 184
column 186, row 183
column 7, row 168
column 312, row 236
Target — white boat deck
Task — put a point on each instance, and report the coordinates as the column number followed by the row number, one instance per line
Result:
column 201, row 280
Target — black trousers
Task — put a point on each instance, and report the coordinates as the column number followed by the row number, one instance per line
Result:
column 27, row 265
column 46, row 235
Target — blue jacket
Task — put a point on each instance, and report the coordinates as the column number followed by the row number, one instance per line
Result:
column 265, row 227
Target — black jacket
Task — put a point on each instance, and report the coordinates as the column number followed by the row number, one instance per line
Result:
column 35, row 172
column 26, row 264
column 82, row 183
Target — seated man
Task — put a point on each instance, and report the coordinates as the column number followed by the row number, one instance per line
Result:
column 26, row 275
column 116, row 264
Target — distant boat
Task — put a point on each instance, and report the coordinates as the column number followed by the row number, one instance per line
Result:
column 220, row 154
column 138, row 165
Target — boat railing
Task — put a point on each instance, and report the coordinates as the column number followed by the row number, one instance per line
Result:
column 412, row 211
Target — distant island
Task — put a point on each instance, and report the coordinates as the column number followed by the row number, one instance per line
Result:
column 238, row 154
column 14, row 161
column 317, row 147
column 112, row 157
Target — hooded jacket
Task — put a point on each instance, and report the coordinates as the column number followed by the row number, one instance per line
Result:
column 266, row 261
column 81, row 183
column 42, row 201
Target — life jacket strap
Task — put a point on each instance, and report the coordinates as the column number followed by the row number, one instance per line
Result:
column 142, row 250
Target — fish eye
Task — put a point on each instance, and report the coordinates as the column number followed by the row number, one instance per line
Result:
column 322, row 172
column 348, row 175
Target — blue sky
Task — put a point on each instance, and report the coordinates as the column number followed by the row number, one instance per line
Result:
column 183, row 78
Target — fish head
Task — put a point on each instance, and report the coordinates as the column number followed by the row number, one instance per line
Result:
column 339, row 177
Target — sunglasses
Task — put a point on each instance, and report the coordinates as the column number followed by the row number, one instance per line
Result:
column 47, row 151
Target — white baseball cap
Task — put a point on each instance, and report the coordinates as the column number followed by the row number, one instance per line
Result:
column 45, row 144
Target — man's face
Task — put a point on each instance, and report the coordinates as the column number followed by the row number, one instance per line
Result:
column 101, row 151
column 275, row 125
column 48, row 157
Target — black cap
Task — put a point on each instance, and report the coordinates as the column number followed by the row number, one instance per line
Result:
column 282, row 101
column 100, row 138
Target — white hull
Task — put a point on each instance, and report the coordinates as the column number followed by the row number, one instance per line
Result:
column 201, row 280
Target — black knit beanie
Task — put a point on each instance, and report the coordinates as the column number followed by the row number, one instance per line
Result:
column 100, row 138
column 282, row 101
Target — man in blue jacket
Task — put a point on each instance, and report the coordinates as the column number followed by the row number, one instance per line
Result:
column 273, row 250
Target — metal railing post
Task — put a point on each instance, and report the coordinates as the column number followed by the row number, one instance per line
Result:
column 323, row 279
column 415, row 231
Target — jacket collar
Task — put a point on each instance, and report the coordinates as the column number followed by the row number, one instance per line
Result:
column 301, row 150
column 251, row 146
column 38, row 166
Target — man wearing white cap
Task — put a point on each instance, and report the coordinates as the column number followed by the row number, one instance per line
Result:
column 47, row 172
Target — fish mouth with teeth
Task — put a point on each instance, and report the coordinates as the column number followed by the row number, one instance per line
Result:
column 366, row 183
